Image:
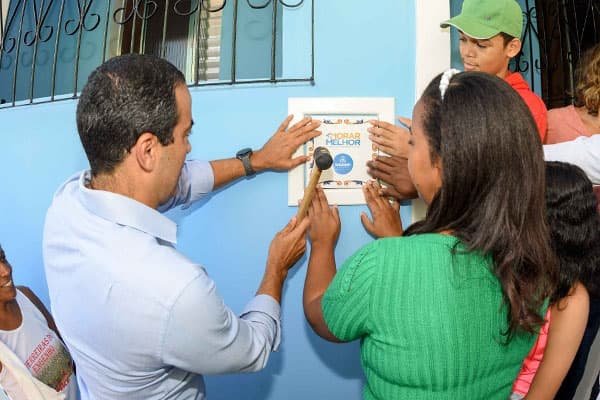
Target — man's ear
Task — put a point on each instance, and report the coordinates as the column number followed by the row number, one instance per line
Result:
column 147, row 151
column 513, row 47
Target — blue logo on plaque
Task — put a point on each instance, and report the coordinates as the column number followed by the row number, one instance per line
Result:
column 342, row 164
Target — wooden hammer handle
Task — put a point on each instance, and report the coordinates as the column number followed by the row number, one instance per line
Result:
column 309, row 193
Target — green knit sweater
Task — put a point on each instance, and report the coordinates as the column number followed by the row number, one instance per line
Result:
column 430, row 320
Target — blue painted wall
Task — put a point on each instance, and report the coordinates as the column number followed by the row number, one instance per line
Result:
column 360, row 51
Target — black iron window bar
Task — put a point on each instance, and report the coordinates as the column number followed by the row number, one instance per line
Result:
column 563, row 29
column 142, row 10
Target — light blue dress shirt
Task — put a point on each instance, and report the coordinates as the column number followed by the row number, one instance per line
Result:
column 140, row 319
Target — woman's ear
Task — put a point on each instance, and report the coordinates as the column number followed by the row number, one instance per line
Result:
column 438, row 171
column 147, row 151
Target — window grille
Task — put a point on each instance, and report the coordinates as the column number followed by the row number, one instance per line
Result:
column 49, row 47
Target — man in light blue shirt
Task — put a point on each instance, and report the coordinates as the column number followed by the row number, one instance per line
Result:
column 140, row 319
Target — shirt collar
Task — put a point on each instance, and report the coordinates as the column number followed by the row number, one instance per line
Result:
column 126, row 211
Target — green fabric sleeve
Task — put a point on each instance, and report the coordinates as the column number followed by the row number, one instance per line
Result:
column 346, row 302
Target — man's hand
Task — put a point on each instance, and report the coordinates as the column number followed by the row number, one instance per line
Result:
column 287, row 247
column 386, row 217
column 324, row 221
column 277, row 153
column 390, row 138
column 394, row 172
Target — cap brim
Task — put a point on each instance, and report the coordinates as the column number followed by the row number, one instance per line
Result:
column 471, row 27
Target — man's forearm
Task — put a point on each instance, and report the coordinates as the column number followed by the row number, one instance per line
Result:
column 230, row 169
column 272, row 284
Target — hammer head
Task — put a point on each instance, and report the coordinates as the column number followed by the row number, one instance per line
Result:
column 322, row 158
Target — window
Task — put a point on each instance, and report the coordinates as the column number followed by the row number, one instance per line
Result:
column 48, row 48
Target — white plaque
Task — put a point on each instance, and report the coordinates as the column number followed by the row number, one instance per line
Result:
column 344, row 124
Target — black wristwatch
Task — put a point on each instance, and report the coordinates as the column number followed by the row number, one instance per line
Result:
column 244, row 156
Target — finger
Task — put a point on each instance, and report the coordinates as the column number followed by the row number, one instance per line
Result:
column 387, row 161
column 380, row 140
column 405, row 121
column 369, row 198
column 300, row 228
column 300, row 248
column 301, row 129
column 386, row 133
column 378, row 201
column 390, row 191
column 294, row 162
column 394, row 161
column 369, row 226
column 290, row 225
column 378, row 165
column 382, row 124
column 304, row 121
column 378, row 174
column 391, row 150
column 336, row 215
column 285, row 123
column 306, row 136
column 314, row 207
column 321, row 199
column 311, row 210
column 383, row 202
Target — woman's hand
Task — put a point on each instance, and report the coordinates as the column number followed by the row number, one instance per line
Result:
column 324, row 221
column 390, row 138
column 386, row 217
column 394, row 172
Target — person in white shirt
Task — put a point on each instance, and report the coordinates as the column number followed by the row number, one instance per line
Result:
column 28, row 330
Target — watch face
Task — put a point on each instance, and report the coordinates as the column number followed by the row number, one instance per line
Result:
column 243, row 152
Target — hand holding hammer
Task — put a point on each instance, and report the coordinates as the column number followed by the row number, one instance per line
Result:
column 323, row 161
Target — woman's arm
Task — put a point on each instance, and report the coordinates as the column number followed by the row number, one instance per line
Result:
column 323, row 232
column 567, row 325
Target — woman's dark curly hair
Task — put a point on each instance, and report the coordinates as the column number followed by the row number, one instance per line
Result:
column 574, row 228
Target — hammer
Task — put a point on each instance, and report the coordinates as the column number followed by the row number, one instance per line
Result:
column 323, row 161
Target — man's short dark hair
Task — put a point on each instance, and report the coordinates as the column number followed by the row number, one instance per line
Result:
column 2, row 255
column 123, row 98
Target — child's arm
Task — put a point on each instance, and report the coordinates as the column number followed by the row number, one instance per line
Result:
column 569, row 318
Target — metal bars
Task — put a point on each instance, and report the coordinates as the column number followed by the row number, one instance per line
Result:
column 34, row 73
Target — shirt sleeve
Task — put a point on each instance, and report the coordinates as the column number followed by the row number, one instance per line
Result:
column 195, row 181
column 346, row 302
column 203, row 335
column 583, row 152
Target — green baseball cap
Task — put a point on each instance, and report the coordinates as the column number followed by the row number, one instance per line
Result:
column 483, row 19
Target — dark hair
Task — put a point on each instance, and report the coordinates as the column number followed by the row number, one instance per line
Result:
column 507, row 38
column 492, row 193
column 123, row 98
column 574, row 228
column 2, row 255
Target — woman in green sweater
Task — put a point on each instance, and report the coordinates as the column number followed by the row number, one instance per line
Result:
column 450, row 308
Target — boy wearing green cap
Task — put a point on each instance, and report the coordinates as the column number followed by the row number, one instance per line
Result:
column 490, row 32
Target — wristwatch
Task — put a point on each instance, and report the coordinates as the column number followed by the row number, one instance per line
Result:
column 244, row 156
